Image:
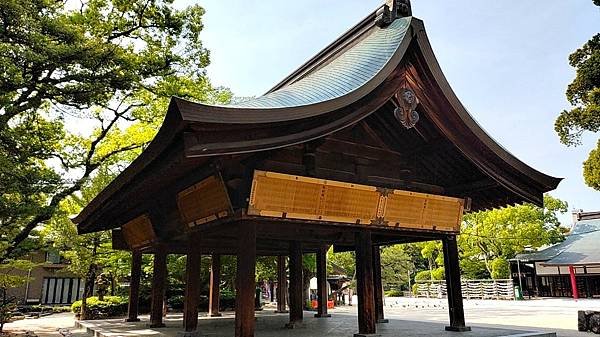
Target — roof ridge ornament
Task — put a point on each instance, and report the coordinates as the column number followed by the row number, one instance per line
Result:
column 391, row 10
column 406, row 103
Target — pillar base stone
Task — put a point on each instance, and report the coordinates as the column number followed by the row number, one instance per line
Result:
column 458, row 328
column 195, row 333
column 218, row 314
column 322, row 315
column 281, row 311
column 132, row 320
column 383, row 320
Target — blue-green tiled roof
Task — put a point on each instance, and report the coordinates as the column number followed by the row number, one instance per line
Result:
column 582, row 246
column 344, row 74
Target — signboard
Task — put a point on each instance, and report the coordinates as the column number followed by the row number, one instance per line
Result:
column 205, row 201
column 138, row 232
column 297, row 197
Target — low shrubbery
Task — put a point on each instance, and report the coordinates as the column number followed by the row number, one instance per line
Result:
column 112, row 306
column 226, row 301
column 43, row 308
column 393, row 293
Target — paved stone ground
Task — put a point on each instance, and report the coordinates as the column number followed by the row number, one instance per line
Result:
column 552, row 314
column 558, row 315
column 47, row 326
column 269, row 324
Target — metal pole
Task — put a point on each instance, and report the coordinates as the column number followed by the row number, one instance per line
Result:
column 519, row 271
column 409, row 286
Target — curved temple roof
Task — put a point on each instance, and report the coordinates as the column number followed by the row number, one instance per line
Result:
column 348, row 72
column 579, row 248
column 345, row 83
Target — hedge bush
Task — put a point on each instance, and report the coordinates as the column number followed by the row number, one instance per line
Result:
column 112, row 306
column 393, row 293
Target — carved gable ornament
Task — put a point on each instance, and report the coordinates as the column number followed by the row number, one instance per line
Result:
column 406, row 104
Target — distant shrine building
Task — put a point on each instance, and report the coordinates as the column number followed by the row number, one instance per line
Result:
column 567, row 269
column 364, row 145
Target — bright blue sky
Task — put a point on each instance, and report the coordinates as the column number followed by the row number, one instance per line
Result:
column 506, row 61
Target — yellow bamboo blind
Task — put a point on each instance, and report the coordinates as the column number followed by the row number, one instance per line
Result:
column 282, row 195
column 424, row 211
column 203, row 202
column 138, row 232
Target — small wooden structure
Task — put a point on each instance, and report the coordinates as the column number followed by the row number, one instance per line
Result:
column 364, row 145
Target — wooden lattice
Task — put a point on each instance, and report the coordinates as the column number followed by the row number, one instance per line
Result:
column 205, row 201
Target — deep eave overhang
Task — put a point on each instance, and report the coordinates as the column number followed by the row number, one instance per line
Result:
column 193, row 121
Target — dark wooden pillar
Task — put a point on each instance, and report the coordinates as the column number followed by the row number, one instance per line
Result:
column 245, row 280
column 453, row 287
column 378, row 289
column 365, row 284
column 192, row 285
column 295, row 287
column 215, row 281
column 281, row 285
column 159, row 280
column 134, row 286
column 322, row 282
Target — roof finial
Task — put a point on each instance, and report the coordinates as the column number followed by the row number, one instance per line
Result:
column 391, row 10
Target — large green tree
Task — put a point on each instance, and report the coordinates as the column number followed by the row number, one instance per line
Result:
column 76, row 83
column 489, row 238
column 584, row 95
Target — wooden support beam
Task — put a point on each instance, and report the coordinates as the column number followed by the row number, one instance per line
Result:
column 245, row 280
column 378, row 288
column 281, row 285
column 134, row 286
column 192, row 286
column 159, row 279
column 295, row 287
column 453, row 287
column 473, row 186
column 215, row 281
column 365, row 284
column 322, row 282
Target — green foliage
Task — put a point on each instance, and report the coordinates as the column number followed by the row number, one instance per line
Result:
column 341, row 263
column 584, row 95
column 503, row 233
column 591, row 168
column 111, row 306
column 500, row 268
column 423, row 275
column 12, row 274
column 438, row 274
column 266, row 268
column 395, row 266
column 108, row 65
column 393, row 293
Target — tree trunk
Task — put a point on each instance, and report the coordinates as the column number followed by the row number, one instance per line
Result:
column 88, row 291
column 4, row 302
column 307, row 274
